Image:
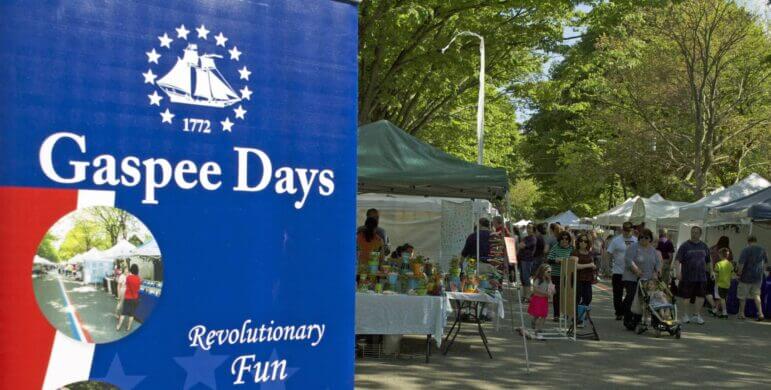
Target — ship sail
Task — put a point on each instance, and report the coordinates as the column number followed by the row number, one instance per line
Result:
column 211, row 88
column 177, row 79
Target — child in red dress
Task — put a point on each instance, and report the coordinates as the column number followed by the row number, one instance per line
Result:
column 539, row 300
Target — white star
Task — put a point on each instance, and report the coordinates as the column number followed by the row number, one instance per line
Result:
column 155, row 99
column 149, row 77
column 165, row 41
column 202, row 32
column 246, row 93
column 182, row 32
column 166, row 116
column 153, row 56
column 244, row 73
column 240, row 112
column 221, row 39
column 227, row 125
column 234, row 53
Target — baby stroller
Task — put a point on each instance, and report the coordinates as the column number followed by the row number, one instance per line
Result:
column 657, row 312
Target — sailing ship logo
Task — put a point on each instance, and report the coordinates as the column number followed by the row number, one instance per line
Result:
column 195, row 79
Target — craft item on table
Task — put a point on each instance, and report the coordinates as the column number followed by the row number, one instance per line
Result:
column 386, row 268
column 483, row 282
column 393, row 280
column 378, row 288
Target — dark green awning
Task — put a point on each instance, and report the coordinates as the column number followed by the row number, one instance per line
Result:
column 392, row 161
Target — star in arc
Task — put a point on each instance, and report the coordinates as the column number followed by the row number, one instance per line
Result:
column 165, row 41
column 149, row 76
column 278, row 385
column 227, row 125
column 244, row 72
column 240, row 112
column 202, row 32
column 235, row 54
column 155, row 99
column 246, row 93
column 166, row 116
column 221, row 39
column 182, row 32
column 116, row 376
column 153, row 56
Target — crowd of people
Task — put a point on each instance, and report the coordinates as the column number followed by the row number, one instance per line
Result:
column 694, row 272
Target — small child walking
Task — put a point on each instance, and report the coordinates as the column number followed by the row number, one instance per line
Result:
column 539, row 300
column 724, row 270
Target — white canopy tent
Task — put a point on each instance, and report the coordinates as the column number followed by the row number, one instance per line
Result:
column 566, row 218
column 437, row 227
column 120, row 250
column 695, row 213
column 42, row 261
column 649, row 211
column 149, row 249
column 522, row 223
column 617, row 215
column 95, row 266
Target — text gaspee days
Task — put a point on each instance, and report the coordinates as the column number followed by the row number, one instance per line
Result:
column 157, row 173
column 248, row 367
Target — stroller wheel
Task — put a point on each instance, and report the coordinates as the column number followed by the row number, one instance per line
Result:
column 677, row 334
column 658, row 332
column 640, row 329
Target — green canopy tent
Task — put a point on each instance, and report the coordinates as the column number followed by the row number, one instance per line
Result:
column 392, row 161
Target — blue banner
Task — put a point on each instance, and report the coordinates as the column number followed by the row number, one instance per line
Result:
column 229, row 129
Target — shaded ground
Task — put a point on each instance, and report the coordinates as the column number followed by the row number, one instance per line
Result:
column 95, row 308
column 727, row 353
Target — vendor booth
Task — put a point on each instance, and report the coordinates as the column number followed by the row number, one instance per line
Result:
column 567, row 218
column 693, row 214
column 749, row 215
column 650, row 210
column 430, row 199
column 95, row 266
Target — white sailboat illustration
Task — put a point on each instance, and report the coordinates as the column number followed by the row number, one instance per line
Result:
column 195, row 79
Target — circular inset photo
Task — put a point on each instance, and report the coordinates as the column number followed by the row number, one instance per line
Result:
column 97, row 274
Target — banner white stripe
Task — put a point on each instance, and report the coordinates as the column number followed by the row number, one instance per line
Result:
column 71, row 360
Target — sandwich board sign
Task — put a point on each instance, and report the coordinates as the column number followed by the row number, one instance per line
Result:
column 222, row 134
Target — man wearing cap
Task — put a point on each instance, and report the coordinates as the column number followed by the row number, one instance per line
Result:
column 617, row 249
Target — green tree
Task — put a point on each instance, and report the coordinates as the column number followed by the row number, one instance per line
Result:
column 84, row 235
column 113, row 221
column 46, row 248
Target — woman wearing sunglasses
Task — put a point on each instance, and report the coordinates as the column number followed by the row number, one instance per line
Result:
column 562, row 251
column 585, row 267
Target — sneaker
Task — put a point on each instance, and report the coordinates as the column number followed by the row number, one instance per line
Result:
column 582, row 325
column 555, row 319
column 619, row 318
column 697, row 319
column 686, row 319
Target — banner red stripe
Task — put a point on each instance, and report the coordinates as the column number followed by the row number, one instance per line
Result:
column 25, row 216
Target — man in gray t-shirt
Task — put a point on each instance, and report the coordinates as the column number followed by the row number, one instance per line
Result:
column 752, row 263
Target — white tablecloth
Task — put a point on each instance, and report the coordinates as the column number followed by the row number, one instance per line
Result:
column 401, row 314
column 496, row 299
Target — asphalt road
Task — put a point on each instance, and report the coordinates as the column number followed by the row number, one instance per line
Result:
column 727, row 353
column 94, row 308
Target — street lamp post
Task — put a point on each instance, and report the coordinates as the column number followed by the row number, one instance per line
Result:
column 480, row 112
column 481, row 103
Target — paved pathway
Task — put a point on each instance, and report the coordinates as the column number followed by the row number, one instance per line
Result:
column 93, row 308
column 727, row 353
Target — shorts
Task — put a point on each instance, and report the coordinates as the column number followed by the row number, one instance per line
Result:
column 711, row 286
column 692, row 289
column 722, row 292
column 525, row 269
column 748, row 290
column 129, row 307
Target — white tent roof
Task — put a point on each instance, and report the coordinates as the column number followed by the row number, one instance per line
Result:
column 567, row 218
column 77, row 259
column 697, row 211
column 522, row 222
column 122, row 249
column 93, row 254
column 617, row 215
column 649, row 210
column 149, row 249
column 40, row 260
